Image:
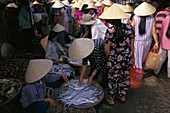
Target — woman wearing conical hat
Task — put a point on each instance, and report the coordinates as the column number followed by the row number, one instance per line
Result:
column 144, row 25
column 99, row 10
column 118, row 39
column 33, row 97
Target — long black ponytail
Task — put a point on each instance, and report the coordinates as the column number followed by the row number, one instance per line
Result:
column 142, row 25
column 118, row 31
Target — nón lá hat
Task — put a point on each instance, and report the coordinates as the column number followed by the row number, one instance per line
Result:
column 113, row 12
column 80, row 48
column 37, row 69
column 144, row 9
column 57, row 4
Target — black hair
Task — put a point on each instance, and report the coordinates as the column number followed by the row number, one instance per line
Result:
column 118, row 31
column 52, row 35
column 84, row 8
column 142, row 25
column 168, row 31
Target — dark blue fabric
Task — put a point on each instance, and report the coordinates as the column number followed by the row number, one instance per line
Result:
column 37, row 107
column 52, row 84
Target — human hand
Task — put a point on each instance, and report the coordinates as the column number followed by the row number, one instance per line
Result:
column 52, row 102
column 155, row 46
column 90, row 81
column 64, row 77
column 80, row 81
column 64, row 53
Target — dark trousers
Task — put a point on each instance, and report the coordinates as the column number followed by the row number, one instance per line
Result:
column 37, row 107
column 27, row 39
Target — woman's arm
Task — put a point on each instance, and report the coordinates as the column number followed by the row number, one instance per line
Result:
column 87, row 32
column 91, row 77
column 133, row 23
column 155, row 36
column 51, row 101
column 83, row 70
column 107, row 49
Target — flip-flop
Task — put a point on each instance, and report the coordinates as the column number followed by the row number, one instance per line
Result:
column 122, row 99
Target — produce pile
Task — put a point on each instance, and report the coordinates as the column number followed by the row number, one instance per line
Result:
column 8, row 89
column 15, row 68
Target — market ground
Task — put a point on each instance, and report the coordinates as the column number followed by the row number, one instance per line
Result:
column 152, row 97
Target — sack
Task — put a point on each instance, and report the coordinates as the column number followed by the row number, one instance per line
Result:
column 152, row 60
column 56, row 19
column 136, row 75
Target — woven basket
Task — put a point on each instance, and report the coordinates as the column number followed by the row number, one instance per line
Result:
column 152, row 61
column 19, row 89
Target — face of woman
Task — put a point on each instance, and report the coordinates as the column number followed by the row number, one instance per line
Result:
column 91, row 11
column 54, row 39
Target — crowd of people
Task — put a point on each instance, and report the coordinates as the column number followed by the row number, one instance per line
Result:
column 109, row 35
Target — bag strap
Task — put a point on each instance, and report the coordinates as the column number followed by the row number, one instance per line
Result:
column 154, row 50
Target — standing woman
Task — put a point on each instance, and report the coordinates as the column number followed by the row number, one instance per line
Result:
column 144, row 25
column 64, row 16
column 118, row 41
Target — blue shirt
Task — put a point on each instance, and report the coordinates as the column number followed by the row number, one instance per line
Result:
column 34, row 92
column 24, row 17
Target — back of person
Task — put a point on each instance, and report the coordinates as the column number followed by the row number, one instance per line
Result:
column 148, row 28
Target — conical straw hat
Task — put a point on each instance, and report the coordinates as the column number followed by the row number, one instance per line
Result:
column 44, row 42
column 88, row 1
column 144, row 9
column 107, row 2
column 77, row 5
column 73, row 1
column 36, row 2
column 91, row 6
column 122, row 7
column 80, row 48
column 13, row 5
column 51, row 1
column 37, row 17
column 37, row 69
column 98, row 3
column 65, row 2
column 57, row 4
column 58, row 28
column 87, row 20
column 129, row 9
column 113, row 12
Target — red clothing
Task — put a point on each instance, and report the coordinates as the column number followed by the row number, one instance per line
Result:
column 161, row 15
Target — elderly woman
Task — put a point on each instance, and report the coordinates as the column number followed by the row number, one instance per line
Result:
column 118, row 41
column 33, row 99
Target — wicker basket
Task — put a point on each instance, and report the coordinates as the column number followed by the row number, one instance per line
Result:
column 19, row 89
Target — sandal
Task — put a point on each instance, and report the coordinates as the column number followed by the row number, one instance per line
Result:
column 111, row 102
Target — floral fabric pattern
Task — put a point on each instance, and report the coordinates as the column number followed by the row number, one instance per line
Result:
column 119, row 61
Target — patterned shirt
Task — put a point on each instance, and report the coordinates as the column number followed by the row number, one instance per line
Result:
column 99, row 10
column 161, row 15
column 34, row 92
column 98, row 57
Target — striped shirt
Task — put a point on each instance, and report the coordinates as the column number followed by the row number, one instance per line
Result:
column 79, row 16
column 148, row 28
column 161, row 15
column 34, row 92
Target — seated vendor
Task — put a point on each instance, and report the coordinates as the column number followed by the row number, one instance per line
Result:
column 52, row 47
column 92, row 50
column 33, row 99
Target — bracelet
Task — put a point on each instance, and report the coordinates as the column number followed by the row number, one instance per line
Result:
column 94, row 74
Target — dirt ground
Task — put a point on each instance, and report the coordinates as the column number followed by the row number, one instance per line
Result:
column 152, row 97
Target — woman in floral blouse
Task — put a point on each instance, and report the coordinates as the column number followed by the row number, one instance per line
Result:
column 118, row 40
